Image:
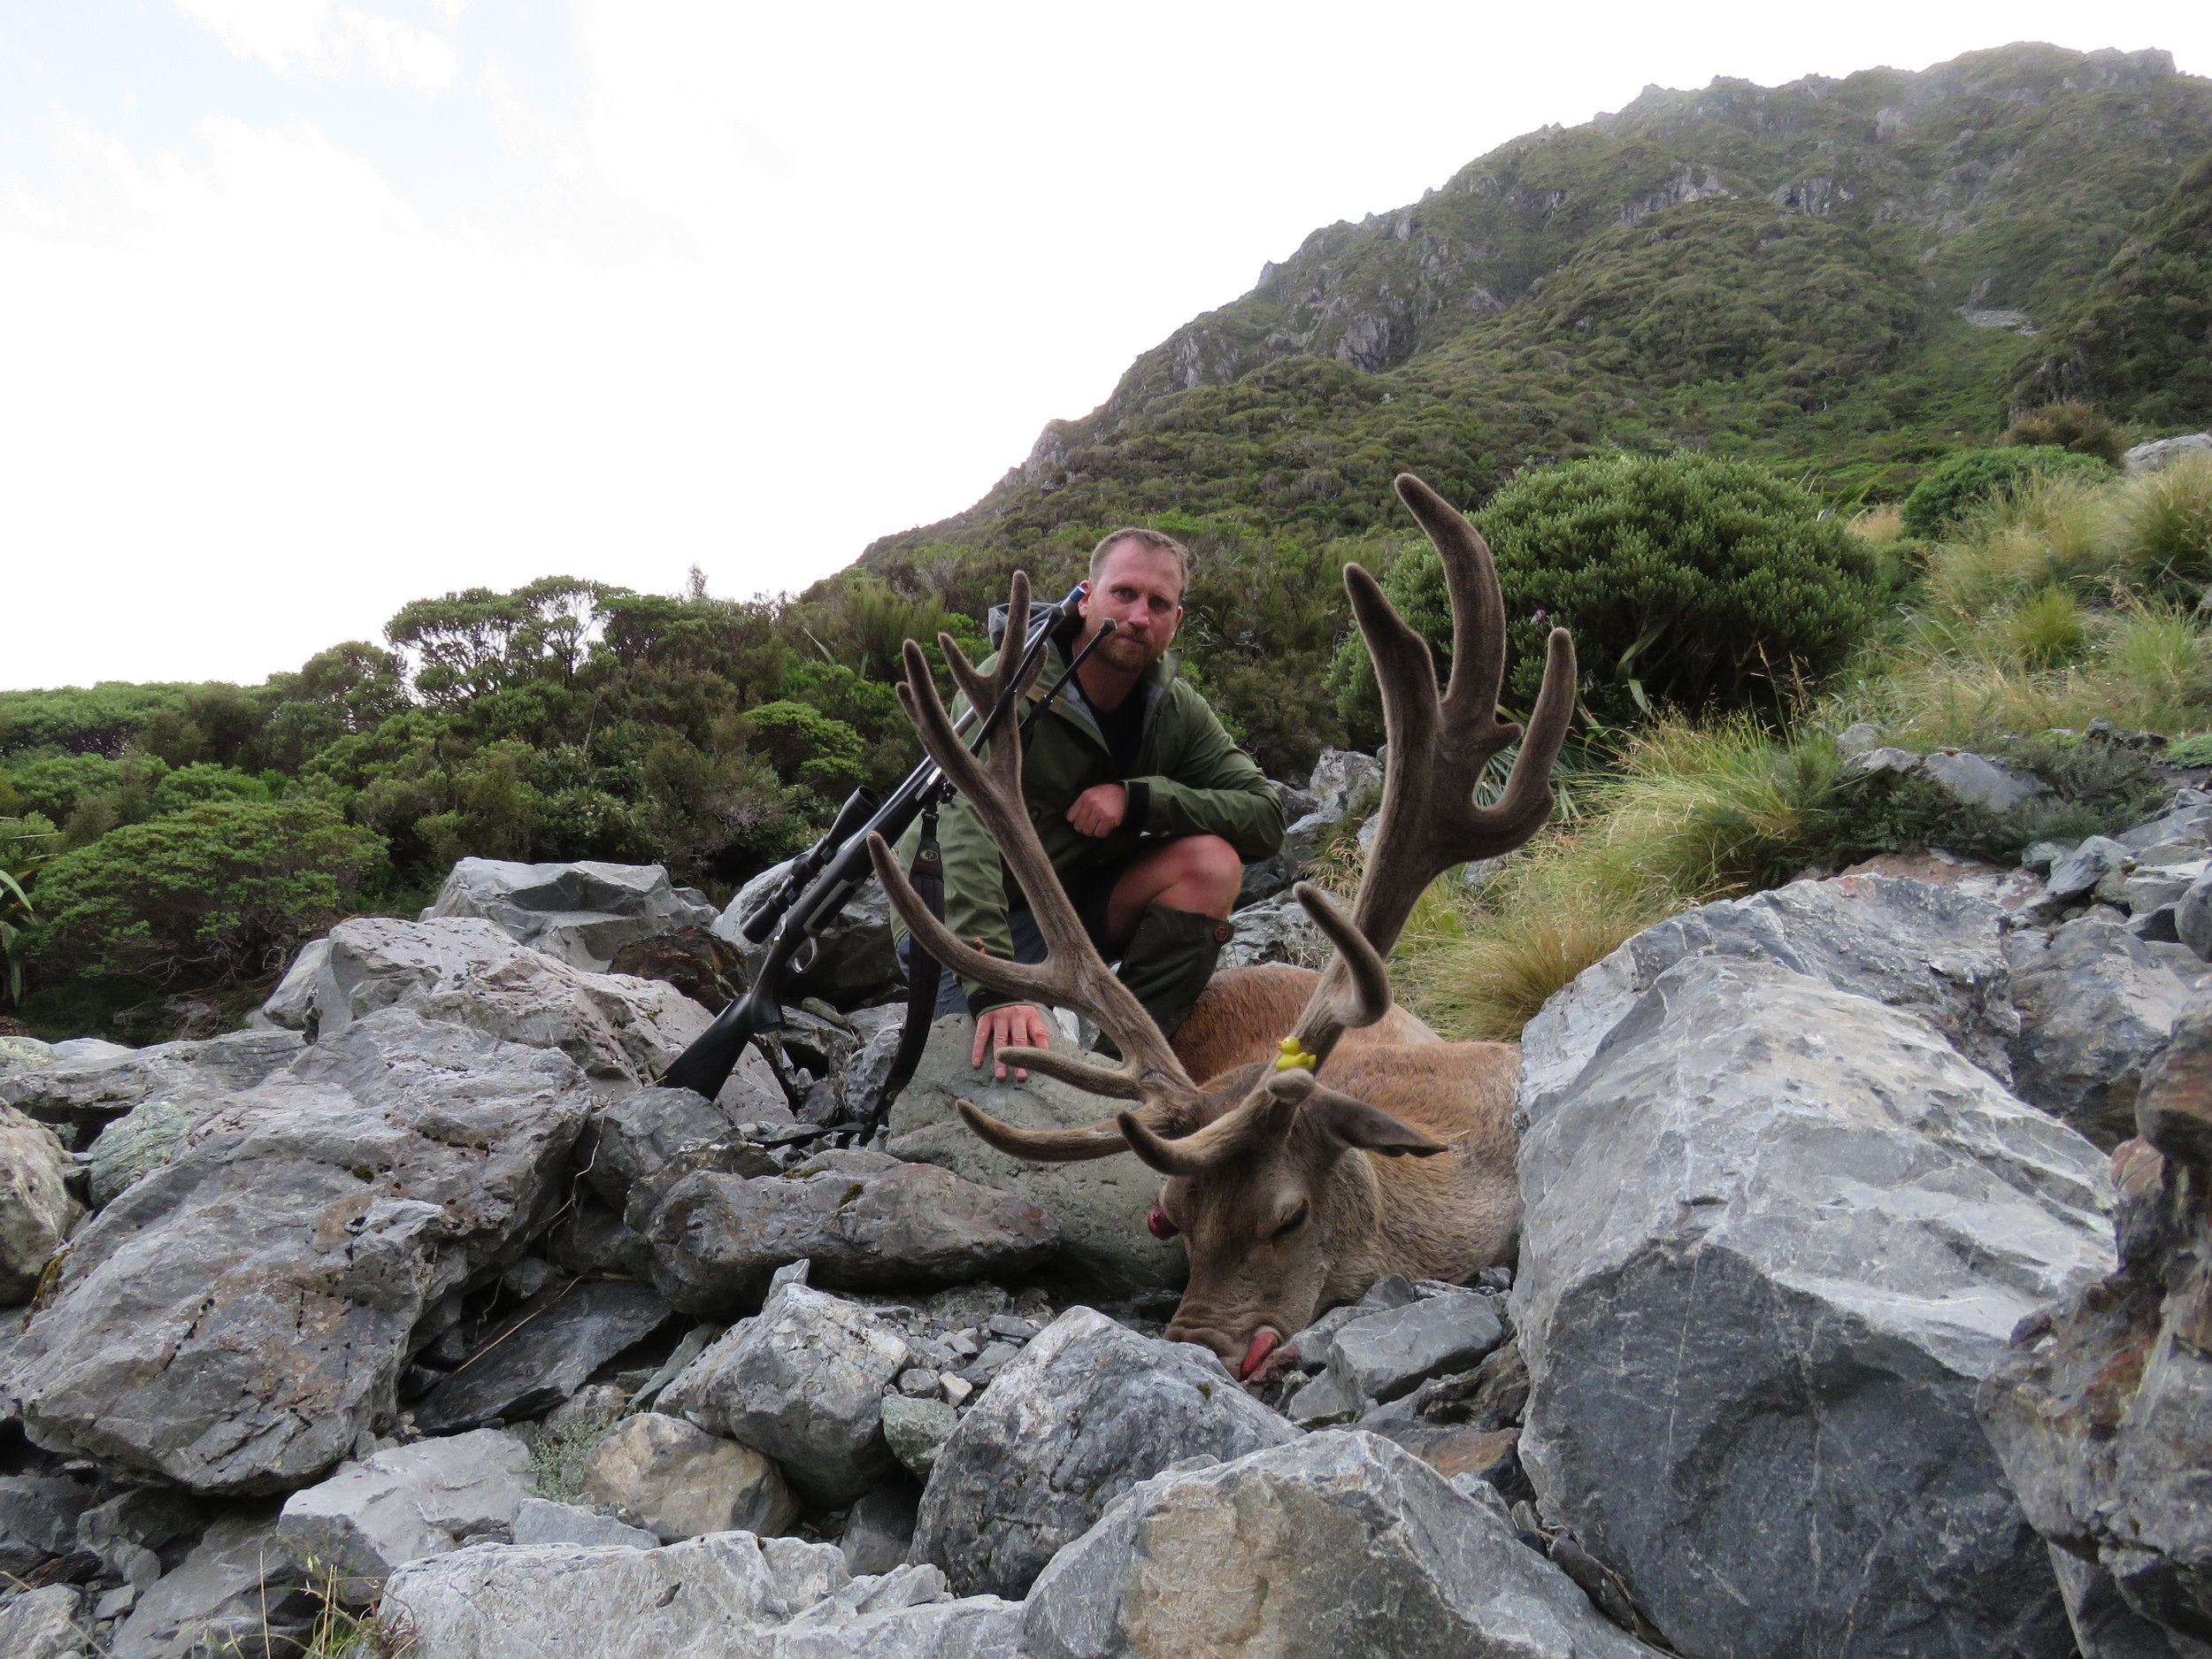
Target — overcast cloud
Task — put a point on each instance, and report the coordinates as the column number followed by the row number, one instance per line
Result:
column 311, row 308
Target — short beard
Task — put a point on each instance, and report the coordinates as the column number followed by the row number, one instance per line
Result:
column 1125, row 651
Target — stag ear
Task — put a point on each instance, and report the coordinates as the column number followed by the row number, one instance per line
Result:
column 1371, row 1129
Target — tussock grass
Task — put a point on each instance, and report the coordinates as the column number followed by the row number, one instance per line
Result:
column 2161, row 529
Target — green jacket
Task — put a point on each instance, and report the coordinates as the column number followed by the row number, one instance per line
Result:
column 1189, row 778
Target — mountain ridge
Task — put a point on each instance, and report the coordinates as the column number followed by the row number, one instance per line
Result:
column 2001, row 181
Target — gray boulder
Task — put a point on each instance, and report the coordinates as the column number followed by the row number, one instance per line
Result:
column 1974, row 779
column 865, row 1221
column 291, row 1006
column 43, row 1624
column 1276, row 930
column 545, row 1355
column 678, row 1481
column 803, row 1382
column 38, row 1520
column 24, row 1053
column 643, row 1134
column 540, row 1522
column 235, row 1320
column 579, row 913
column 405, row 1503
column 36, row 1211
column 2077, row 875
column 1386, row 1355
column 1081, row 1415
column 2160, row 453
column 2101, row 1412
column 1771, row 1231
column 623, row 1032
column 1100, row 1206
column 879, row 1530
column 2192, row 917
column 1390, row 1562
column 917, row 1430
column 727, row 1593
column 2096, row 1004
column 855, row 961
column 77, row 1098
column 1929, row 950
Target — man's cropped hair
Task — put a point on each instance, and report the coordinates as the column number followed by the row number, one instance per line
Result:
column 1154, row 539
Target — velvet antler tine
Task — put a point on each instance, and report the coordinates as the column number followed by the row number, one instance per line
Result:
column 1356, row 986
column 1262, row 1117
column 1015, row 979
column 975, row 686
column 1092, row 1079
column 1477, row 607
column 1042, row 1146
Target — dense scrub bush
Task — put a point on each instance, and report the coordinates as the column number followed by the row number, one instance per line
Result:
column 1687, row 580
column 2162, row 529
column 223, row 889
column 1975, row 478
column 2075, row 427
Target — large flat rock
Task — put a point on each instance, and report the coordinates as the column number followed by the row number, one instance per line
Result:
column 1100, row 1206
column 1081, row 1416
column 581, row 913
column 1774, row 1234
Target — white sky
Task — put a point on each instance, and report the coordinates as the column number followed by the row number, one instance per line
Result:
column 309, row 308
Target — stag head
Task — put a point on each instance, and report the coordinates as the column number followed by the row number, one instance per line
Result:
column 1276, row 1211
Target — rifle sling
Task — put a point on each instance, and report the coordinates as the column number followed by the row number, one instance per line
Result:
column 924, row 972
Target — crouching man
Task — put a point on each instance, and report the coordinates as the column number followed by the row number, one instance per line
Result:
column 1146, row 807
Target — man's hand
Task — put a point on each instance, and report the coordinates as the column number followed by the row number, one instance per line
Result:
column 1016, row 1025
column 1100, row 810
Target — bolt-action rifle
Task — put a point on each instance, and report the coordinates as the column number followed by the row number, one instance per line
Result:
column 822, row 881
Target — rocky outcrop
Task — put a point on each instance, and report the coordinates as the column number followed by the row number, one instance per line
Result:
column 580, row 914
column 405, row 1503
column 78, row 1098
column 36, row 1211
column 864, row 1221
column 802, row 1381
column 1774, row 1235
column 2160, row 453
column 2102, row 1410
column 1100, row 1206
column 1088, row 1410
column 1386, row 1561
column 233, row 1322
column 725, row 1593
column 239, row 1582
column 623, row 1032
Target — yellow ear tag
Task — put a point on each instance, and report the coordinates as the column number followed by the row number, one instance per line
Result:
column 1294, row 1056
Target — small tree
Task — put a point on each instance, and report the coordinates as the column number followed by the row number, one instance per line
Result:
column 221, row 890
column 1973, row 478
column 1686, row 579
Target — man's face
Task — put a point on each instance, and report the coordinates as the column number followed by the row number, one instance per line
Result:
column 1141, row 589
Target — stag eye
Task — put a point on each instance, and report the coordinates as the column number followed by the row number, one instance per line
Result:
column 1295, row 1220
column 1158, row 1225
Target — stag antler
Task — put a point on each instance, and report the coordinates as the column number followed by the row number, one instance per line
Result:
column 1428, row 822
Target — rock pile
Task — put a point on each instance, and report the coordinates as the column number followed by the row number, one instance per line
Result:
column 422, row 1298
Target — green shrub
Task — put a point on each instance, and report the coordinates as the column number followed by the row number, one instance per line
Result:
column 2095, row 788
column 205, row 780
column 1687, row 580
column 2075, row 427
column 805, row 746
column 1974, row 477
column 2162, row 529
column 2189, row 751
column 222, row 889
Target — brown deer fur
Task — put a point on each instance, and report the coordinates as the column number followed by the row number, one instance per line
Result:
column 1242, row 1012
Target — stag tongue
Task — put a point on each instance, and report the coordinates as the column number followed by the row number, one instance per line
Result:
column 1263, row 1343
